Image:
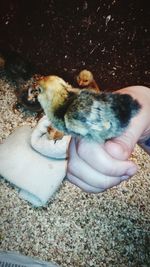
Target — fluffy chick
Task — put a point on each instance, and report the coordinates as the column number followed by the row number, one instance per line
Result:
column 85, row 79
column 85, row 114
column 27, row 94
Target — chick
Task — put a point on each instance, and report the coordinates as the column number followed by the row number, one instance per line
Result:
column 32, row 91
column 85, row 79
column 85, row 114
column 21, row 73
column 27, row 94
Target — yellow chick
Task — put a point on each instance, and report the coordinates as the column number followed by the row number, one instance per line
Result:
column 85, row 79
column 85, row 113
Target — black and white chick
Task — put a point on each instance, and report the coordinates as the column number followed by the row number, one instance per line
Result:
column 85, row 113
column 21, row 73
column 27, row 95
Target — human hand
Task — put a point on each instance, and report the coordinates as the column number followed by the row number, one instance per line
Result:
column 96, row 167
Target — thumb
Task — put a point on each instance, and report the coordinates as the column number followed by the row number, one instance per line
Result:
column 122, row 146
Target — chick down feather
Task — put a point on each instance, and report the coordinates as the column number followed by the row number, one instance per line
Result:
column 87, row 114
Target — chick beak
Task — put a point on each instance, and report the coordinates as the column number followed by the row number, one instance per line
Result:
column 80, row 83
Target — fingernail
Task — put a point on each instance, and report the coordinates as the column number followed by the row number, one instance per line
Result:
column 125, row 177
column 131, row 171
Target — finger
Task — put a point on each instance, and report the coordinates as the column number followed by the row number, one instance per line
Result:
column 84, row 186
column 122, row 146
column 80, row 169
column 95, row 155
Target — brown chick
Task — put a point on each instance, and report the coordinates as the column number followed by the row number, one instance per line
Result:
column 85, row 113
column 85, row 79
